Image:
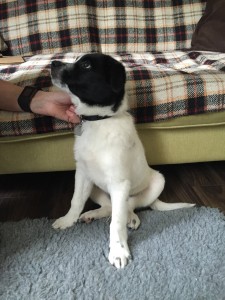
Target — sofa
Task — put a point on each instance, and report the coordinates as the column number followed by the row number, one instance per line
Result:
column 175, row 84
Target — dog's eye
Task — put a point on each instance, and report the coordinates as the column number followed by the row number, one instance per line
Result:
column 86, row 65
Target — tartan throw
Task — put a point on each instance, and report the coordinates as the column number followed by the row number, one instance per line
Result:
column 3, row 46
column 112, row 26
column 160, row 86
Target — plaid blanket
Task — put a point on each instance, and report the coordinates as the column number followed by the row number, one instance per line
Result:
column 160, row 86
column 113, row 26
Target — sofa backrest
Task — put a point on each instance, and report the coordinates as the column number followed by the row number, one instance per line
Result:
column 109, row 26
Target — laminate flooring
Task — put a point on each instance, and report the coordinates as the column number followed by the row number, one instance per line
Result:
column 49, row 194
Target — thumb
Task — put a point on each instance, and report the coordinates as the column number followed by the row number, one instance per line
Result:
column 72, row 117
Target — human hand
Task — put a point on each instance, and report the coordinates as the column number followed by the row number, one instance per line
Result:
column 55, row 104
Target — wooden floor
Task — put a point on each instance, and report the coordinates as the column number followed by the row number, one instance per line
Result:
column 49, row 194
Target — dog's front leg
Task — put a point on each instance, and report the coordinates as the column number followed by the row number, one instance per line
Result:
column 119, row 252
column 83, row 187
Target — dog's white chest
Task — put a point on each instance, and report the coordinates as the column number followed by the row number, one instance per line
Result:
column 91, row 147
column 90, row 157
column 99, row 148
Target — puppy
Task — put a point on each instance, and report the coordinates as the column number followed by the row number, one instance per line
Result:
column 111, row 166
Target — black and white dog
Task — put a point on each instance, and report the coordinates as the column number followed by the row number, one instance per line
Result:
column 111, row 166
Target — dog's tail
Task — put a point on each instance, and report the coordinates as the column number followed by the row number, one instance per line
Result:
column 163, row 206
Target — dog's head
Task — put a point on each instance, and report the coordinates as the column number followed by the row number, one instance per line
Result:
column 95, row 82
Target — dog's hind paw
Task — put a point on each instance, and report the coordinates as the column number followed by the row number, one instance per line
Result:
column 89, row 216
column 95, row 214
column 133, row 221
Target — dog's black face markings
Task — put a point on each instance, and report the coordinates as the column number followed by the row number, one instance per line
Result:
column 97, row 79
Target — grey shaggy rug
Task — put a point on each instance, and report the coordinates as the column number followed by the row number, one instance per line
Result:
column 177, row 255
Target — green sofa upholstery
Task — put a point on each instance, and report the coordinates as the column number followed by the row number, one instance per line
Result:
column 186, row 139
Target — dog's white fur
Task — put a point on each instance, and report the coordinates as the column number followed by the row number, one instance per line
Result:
column 111, row 168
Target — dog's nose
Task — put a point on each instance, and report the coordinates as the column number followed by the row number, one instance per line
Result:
column 57, row 64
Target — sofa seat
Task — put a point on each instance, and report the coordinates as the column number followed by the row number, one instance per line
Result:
column 176, row 98
column 186, row 139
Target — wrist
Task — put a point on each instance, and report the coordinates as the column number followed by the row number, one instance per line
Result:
column 25, row 98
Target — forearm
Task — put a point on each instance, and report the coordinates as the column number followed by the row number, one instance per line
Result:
column 54, row 104
column 9, row 94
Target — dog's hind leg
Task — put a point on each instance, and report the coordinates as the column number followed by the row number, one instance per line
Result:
column 149, row 197
column 146, row 197
column 102, row 199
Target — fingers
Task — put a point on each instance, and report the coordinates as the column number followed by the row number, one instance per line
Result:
column 72, row 116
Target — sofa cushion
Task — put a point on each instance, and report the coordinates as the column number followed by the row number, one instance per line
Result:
column 50, row 26
column 160, row 86
column 210, row 30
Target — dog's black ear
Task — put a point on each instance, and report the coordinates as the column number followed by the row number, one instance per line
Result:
column 116, row 75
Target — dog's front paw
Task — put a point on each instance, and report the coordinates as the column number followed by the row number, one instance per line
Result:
column 63, row 223
column 119, row 256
